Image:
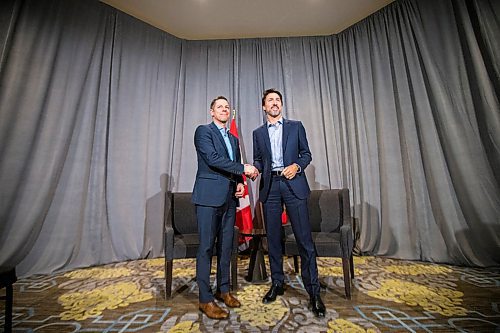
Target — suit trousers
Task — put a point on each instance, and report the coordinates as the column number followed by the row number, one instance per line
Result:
column 215, row 224
column 280, row 193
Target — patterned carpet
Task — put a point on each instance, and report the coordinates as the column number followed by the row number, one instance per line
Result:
column 388, row 296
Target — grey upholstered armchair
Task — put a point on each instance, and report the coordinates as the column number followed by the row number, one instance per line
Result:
column 330, row 218
column 181, row 236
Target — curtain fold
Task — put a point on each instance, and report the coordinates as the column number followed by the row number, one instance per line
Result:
column 98, row 112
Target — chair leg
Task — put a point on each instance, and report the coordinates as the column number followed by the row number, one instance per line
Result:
column 8, row 309
column 351, row 260
column 296, row 263
column 168, row 278
column 234, row 272
column 347, row 280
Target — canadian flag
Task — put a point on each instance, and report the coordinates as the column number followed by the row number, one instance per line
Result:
column 244, row 211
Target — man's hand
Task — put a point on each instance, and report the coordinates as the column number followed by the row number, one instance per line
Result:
column 240, row 190
column 251, row 171
column 290, row 171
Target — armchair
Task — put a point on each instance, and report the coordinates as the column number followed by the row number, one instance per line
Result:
column 330, row 218
column 181, row 236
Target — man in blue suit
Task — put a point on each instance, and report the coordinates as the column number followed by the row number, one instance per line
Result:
column 281, row 154
column 218, row 185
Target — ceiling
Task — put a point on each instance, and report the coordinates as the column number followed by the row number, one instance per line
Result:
column 235, row 19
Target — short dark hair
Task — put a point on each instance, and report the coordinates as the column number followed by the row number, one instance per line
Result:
column 270, row 91
column 216, row 99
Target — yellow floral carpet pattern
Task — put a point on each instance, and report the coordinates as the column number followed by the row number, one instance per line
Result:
column 387, row 296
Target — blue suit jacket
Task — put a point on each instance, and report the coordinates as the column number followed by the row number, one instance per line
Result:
column 295, row 150
column 215, row 168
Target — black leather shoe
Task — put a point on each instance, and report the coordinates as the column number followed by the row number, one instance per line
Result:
column 316, row 306
column 276, row 289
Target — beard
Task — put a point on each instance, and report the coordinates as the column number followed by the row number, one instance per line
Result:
column 273, row 113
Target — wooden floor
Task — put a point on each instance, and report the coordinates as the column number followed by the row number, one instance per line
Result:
column 387, row 296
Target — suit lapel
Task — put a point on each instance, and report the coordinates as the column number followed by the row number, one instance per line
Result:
column 218, row 134
column 232, row 140
column 285, row 134
column 264, row 133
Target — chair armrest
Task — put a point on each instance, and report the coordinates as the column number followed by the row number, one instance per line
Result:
column 346, row 240
column 346, row 206
column 169, row 242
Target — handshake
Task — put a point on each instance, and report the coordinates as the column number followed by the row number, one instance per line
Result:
column 251, row 171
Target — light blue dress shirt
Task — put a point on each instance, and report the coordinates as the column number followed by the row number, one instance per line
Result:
column 224, row 131
column 276, row 137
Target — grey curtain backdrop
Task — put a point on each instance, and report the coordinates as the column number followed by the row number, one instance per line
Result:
column 98, row 112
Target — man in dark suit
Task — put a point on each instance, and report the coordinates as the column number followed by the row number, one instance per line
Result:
column 218, row 186
column 281, row 154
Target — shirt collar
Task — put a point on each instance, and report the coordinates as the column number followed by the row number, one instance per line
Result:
column 280, row 122
column 221, row 128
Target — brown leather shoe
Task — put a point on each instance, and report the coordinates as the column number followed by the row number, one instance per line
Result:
column 228, row 299
column 212, row 310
